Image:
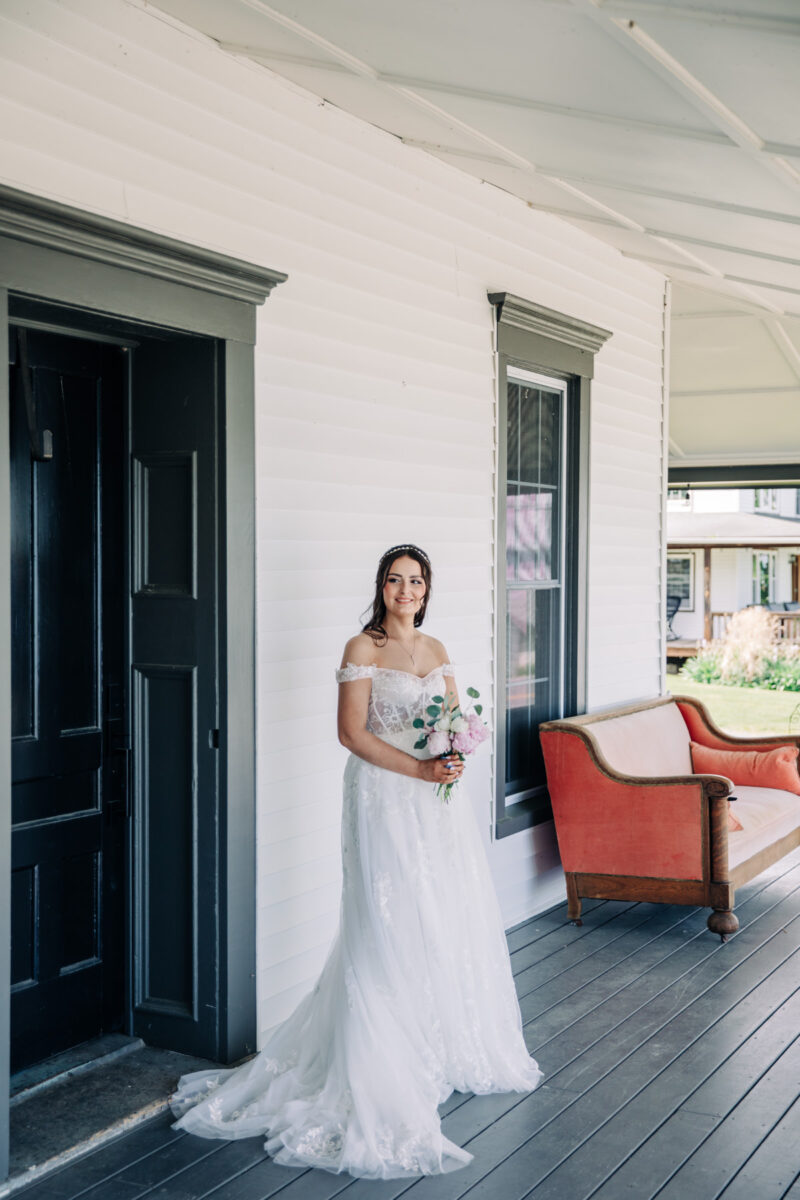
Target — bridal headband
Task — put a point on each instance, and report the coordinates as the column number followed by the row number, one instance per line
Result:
column 415, row 552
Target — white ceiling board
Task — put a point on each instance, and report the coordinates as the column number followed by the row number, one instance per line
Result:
column 748, row 266
column 580, row 148
column 528, row 185
column 714, row 224
column 235, row 22
column 694, row 302
column 497, row 48
column 786, row 9
column 380, row 106
column 629, row 241
column 736, row 426
column 728, row 353
column 750, row 70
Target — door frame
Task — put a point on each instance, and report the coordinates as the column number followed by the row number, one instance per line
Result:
column 63, row 255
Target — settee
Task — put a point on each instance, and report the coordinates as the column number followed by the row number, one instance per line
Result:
column 634, row 821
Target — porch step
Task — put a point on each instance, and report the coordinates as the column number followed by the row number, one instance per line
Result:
column 75, row 1103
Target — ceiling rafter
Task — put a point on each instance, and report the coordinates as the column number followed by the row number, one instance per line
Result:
column 657, row 128
column 785, row 345
column 631, row 35
column 745, row 210
column 764, row 23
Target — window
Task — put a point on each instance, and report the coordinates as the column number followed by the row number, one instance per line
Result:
column 679, row 498
column 764, row 569
column 534, row 586
column 545, row 365
column 680, row 579
column 765, row 499
column 797, row 501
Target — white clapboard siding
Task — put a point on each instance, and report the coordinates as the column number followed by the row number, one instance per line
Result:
column 375, row 395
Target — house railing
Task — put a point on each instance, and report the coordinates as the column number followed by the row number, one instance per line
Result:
column 788, row 625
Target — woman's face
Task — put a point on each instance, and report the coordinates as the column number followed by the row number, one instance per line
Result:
column 404, row 589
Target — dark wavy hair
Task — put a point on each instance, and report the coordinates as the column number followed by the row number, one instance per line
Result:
column 374, row 625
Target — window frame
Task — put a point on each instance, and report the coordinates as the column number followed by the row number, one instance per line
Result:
column 690, row 555
column 772, row 576
column 538, row 341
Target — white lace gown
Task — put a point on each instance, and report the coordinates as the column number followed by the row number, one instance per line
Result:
column 416, row 997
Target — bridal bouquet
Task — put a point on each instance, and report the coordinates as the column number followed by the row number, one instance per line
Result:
column 450, row 730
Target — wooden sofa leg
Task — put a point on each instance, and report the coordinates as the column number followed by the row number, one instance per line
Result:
column 723, row 922
column 573, row 899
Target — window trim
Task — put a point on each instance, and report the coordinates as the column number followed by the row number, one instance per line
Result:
column 538, row 340
column 772, row 575
column 689, row 606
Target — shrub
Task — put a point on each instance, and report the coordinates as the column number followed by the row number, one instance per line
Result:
column 704, row 667
column 749, row 655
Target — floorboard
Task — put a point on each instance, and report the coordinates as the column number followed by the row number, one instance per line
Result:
column 671, row 1067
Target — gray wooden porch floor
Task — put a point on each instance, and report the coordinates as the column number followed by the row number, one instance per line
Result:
column 672, row 1067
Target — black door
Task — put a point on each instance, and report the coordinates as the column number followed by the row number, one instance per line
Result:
column 175, row 699
column 69, row 685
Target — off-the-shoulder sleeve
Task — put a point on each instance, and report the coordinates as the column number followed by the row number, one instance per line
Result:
column 350, row 671
column 448, row 669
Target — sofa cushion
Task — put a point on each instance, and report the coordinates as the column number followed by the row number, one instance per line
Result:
column 755, row 768
column 650, row 742
column 766, row 815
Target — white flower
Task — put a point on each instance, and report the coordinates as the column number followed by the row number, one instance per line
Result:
column 443, row 724
column 459, row 725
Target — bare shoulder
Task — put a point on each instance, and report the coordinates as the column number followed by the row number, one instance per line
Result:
column 360, row 650
column 435, row 649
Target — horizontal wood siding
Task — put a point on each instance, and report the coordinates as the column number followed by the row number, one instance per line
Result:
column 375, row 393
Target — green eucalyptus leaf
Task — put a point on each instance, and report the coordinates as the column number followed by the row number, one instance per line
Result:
column 438, row 699
column 418, row 723
column 421, row 744
column 433, row 710
column 478, row 710
column 473, row 692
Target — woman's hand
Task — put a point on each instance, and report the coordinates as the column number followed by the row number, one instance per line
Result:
column 441, row 770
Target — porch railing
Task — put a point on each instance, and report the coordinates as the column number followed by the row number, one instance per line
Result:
column 788, row 625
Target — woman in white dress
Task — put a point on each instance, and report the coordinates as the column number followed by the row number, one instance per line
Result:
column 416, row 997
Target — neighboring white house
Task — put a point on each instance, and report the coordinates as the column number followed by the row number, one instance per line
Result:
column 748, row 539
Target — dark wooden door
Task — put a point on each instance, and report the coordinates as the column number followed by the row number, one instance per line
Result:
column 175, row 598
column 69, row 754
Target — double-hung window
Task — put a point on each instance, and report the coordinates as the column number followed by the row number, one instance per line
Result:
column 545, row 364
column 535, row 515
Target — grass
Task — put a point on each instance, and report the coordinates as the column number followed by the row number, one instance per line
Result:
column 743, row 710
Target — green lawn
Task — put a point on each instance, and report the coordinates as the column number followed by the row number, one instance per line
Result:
column 743, row 710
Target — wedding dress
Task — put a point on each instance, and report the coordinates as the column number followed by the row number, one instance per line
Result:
column 416, row 997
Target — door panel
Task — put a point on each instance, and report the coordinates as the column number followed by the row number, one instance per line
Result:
column 68, row 624
column 174, row 687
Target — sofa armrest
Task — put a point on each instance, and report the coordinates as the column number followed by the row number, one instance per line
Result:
column 704, row 730
column 674, row 827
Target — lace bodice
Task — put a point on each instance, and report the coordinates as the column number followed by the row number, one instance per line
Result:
column 396, row 699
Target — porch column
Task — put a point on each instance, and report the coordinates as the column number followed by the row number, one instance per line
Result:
column 707, row 630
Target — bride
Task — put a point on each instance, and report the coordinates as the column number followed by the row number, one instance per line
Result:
column 416, row 997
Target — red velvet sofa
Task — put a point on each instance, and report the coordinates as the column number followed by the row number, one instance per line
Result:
column 635, row 823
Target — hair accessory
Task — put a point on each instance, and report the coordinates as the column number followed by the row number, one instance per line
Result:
column 416, row 551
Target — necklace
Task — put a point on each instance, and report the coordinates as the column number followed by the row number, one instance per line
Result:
column 408, row 652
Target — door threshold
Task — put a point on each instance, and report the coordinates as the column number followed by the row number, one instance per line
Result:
column 83, row 1108
column 85, row 1057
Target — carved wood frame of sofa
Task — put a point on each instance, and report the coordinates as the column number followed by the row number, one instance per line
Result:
column 647, row 828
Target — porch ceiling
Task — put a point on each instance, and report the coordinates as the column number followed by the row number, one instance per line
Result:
column 667, row 129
